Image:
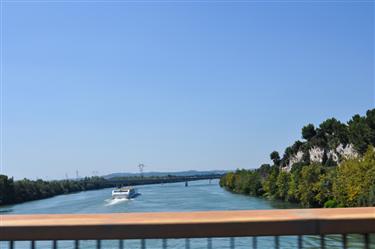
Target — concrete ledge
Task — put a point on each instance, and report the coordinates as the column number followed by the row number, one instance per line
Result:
column 187, row 224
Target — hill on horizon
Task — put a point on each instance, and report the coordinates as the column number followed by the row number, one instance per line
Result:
column 174, row 173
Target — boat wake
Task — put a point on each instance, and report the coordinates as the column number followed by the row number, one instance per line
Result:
column 115, row 201
column 111, row 202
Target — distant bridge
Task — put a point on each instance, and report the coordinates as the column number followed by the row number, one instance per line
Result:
column 127, row 181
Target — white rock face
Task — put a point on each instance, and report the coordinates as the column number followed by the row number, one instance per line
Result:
column 295, row 159
column 334, row 155
column 316, row 154
column 347, row 152
column 286, row 169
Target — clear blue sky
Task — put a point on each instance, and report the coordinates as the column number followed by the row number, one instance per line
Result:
column 175, row 85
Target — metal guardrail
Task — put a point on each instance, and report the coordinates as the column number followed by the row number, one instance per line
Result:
column 189, row 225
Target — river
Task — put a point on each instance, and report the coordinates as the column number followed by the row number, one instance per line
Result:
column 198, row 196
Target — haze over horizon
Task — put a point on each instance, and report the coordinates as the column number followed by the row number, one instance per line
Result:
column 176, row 86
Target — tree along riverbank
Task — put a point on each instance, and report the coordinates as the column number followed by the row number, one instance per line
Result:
column 332, row 177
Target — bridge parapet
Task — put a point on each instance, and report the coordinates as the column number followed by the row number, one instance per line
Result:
column 191, row 225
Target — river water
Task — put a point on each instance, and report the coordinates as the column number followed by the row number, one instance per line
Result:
column 198, row 196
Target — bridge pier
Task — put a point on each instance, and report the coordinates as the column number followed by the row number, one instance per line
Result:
column 186, row 183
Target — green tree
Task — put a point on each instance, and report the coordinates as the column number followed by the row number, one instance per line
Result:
column 355, row 181
column 335, row 133
column 288, row 153
column 360, row 133
column 324, row 186
column 308, row 185
column 275, row 157
column 282, row 184
column 370, row 120
column 6, row 189
column 308, row 132
column 264, row 170
column 295, row 176
column 296, row 146
column 269, row 185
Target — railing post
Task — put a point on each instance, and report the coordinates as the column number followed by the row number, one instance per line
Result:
column 187, row 243
column 277, row 243
column 300, row 242
column 232, row 243
column 344, row 241
column 367, row 241
column 98, row 244
column 143, row 244
column 255, row 243
column 32, row 246
column 121, row 244
column 209, row 243
column 322, row 241
column 11, row 244
column 76, row 244
column 165, row 245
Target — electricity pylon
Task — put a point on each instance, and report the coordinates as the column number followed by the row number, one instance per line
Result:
column 140, row 167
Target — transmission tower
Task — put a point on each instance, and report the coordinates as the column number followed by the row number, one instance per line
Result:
column 140, row 167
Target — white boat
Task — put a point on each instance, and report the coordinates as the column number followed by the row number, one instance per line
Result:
column 123, row 192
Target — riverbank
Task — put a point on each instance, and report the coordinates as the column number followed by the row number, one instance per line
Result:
column 13, row 192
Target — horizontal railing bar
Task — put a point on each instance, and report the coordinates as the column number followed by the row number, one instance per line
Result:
column 188, row 224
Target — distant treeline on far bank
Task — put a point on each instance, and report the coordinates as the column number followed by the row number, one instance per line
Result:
column 12, row 192
column 333, row 166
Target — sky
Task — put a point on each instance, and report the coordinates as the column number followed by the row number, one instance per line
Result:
column 177, row 85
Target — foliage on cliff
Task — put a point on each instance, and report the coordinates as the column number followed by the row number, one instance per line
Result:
column 332, row 141
column 348, row 181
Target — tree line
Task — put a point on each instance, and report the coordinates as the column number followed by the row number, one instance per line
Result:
column 346, row 180
column 12, row 192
